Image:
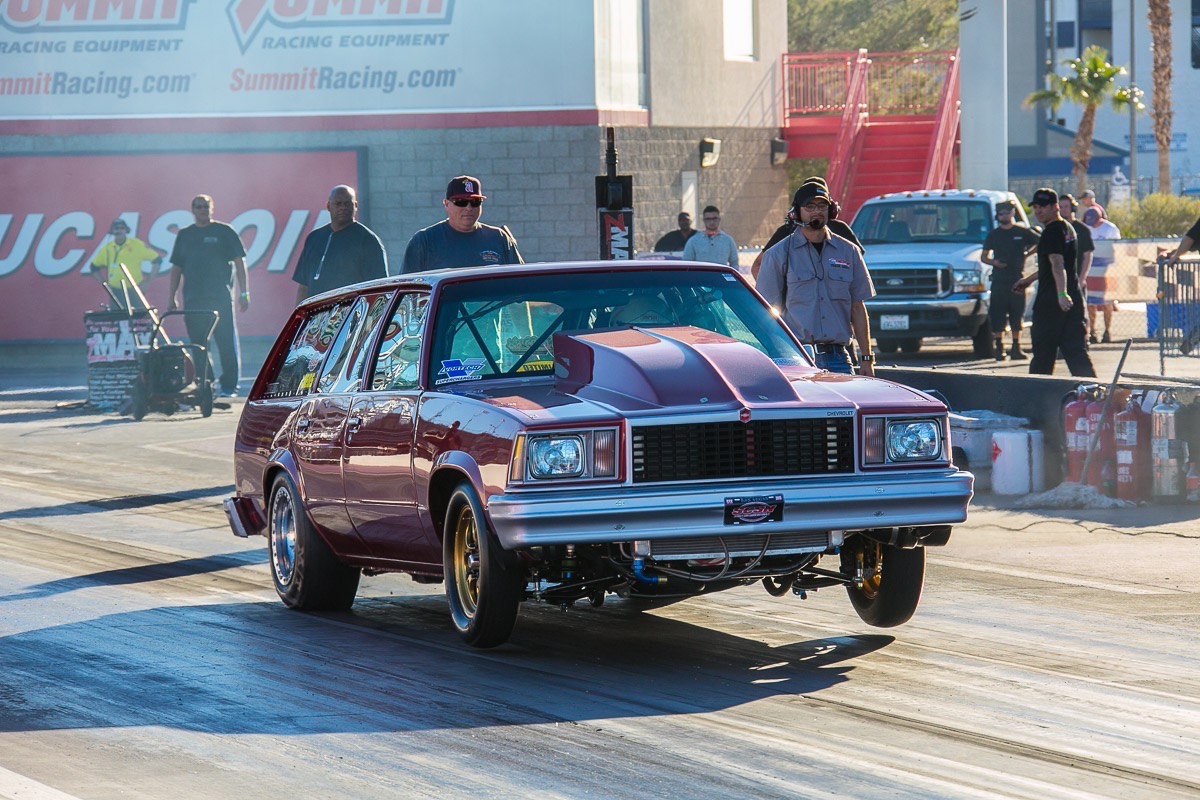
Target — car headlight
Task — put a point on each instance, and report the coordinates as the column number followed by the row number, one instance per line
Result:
column 582, row 454
column 914, row 440
column 968, row 280
column 901, row 441
column 556, row 457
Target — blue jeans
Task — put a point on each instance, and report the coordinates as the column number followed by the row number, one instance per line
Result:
column 838, row 361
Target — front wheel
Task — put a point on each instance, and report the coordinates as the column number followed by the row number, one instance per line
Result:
column 138, row 400
column 892, row 581
column 306, row 573
column 204, row 398
column 484, row 593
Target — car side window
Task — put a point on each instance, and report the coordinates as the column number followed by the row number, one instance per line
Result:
column 347, row 355
column 398, row 365
column 298, row 373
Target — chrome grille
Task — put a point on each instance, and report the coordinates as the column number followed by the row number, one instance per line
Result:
column 911, row 282
column 759, row 448
column 739, row 545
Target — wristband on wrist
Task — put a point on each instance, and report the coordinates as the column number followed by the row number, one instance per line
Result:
column 1064, row 294
column 244, row 295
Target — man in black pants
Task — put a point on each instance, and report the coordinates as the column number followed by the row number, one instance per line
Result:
column 208, row 256
column 1058, row 318
column 1005, row 249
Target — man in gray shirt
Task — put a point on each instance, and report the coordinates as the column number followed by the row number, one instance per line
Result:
column 818, row 281
column 461, row 240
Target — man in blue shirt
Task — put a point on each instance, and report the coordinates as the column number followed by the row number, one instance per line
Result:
column 461, row 240
column 712, row 244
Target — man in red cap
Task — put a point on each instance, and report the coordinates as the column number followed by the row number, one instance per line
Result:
column 461, row 240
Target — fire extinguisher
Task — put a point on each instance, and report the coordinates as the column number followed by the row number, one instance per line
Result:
column 1075, row 429
column 1169, row 453
column 1102, row 458
column 1131, row 440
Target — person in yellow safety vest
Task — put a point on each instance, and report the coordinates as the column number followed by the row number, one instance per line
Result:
column 123, row 249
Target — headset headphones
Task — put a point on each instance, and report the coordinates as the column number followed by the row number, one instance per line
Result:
column 834, row 210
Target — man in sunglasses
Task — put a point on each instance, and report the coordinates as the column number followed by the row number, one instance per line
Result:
column 461, row 240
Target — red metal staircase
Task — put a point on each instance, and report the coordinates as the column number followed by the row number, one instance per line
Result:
column 886, row 122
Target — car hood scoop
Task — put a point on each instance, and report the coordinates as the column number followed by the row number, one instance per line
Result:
column 646, row 368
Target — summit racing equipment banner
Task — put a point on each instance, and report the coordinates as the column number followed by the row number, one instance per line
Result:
column 55, row 217
column 120, row 59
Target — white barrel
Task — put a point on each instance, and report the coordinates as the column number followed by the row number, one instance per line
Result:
column 1037, row 461
column 1011, row 464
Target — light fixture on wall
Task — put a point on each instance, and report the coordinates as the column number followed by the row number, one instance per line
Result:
column 779, row 152
column 710, row 151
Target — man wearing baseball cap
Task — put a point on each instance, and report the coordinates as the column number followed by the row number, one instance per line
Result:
column 461, row 240
column 1005, row 249
column 1058, row 321
column 123, row 249
column 819, row 281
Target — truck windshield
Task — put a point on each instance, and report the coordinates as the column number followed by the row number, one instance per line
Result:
column 924, row 220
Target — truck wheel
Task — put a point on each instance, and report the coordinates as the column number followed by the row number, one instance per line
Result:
column 484, row 593
column 981, row 342
column 306, row 573
column 888, row 345
column 892, row 581
column 910, row 345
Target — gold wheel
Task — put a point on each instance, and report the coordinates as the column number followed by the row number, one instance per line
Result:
column 466, row 561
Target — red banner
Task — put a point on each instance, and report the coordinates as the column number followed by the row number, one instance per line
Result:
column 55, row 213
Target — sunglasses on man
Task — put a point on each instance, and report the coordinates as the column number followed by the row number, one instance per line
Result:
column 474, row 202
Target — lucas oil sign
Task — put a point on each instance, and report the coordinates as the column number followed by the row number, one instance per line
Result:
column 56, row 213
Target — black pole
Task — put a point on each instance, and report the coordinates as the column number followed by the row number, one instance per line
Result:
column 614, row 206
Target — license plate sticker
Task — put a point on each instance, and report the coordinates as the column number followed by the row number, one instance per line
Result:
column 893, row 322
column 753, row 510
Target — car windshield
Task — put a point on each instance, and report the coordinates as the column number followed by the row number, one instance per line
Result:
column 924, row 220
column 505, row 326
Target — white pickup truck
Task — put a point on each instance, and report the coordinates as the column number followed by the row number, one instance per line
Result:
column 923, row 250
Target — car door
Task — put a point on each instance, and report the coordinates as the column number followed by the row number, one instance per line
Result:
column 320, row 423
column 377, row 461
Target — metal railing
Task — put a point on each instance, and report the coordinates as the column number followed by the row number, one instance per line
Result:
column 939, row 162
column 1178, row 310
column 848, row 141
column 897, row 83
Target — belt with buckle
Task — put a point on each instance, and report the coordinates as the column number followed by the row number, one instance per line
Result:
column 827, row 347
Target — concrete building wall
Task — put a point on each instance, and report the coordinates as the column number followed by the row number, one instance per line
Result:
column 691, row 82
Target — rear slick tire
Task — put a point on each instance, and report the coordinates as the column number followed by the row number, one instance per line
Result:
column 483, row 587
column 892, row 581
column 306, row 573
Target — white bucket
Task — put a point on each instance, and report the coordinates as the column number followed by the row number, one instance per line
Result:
column 1017, row 462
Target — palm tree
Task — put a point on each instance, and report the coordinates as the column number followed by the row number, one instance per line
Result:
column 1159, row 14
column 1091, row 81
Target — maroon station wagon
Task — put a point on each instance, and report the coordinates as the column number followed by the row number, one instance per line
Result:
column 560, row 432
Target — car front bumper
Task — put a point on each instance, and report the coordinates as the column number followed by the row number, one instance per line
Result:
column 679, row 511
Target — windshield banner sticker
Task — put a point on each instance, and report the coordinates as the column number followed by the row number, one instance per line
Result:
column 460, row 369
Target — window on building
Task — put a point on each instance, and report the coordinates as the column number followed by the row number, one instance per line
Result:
column 1195, row 34
column 740, row 30
column 1095, row 24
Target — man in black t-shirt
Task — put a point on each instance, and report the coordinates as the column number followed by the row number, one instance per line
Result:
column 207, row 257
column 674, row 241
column 341, row 253
column 1005, row 249
column 1058, row 318
column 1085, row 247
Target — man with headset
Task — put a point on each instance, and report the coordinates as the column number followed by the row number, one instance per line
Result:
column 1005, row 249
column 819, row 282
column 789, row 224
